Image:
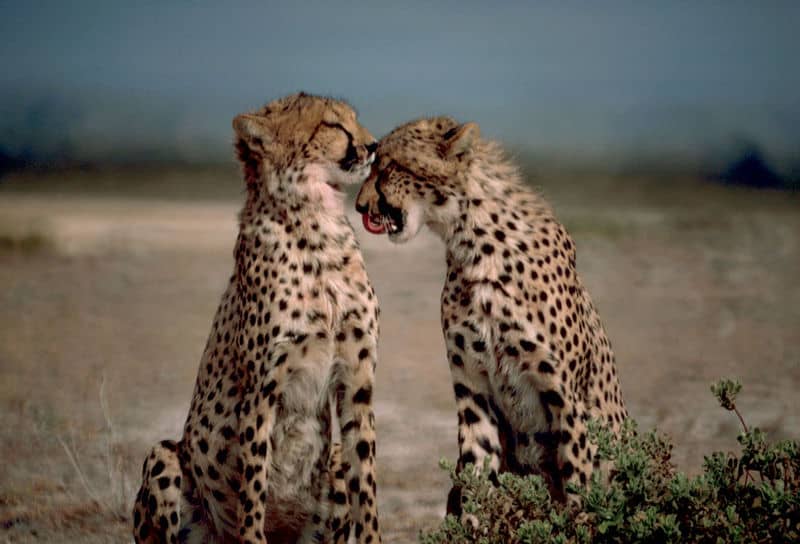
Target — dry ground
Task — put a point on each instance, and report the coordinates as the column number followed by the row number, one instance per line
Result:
column 108, row 282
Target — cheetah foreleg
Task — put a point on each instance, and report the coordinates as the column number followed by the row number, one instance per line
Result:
column 255, row 452
column 357, row 420
column 478, row 431
column 566, row 418
column 157, row 509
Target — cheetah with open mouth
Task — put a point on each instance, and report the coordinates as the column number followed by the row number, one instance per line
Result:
column 529, row 357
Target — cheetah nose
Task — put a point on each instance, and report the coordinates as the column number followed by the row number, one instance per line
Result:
column 372, row 147
column 362, row 208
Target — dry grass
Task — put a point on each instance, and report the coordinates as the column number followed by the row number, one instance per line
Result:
column 73, row 484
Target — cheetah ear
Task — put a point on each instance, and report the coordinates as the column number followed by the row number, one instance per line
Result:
column 250, row 128
column 251, row 139
column 460, row 140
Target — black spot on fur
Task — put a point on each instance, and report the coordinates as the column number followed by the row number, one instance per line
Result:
column 158, row 468
column 461, row 391
column 470, row 417
column 363, row 396
column 552, row 398
column 546, row 368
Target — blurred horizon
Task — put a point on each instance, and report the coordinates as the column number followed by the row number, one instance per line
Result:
column 690, row 86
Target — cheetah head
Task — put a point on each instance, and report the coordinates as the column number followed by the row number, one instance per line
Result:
column 417, row 178
column 317, row 138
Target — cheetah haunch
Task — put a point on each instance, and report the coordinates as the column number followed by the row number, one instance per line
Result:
column 279, row 444
column 529, row 358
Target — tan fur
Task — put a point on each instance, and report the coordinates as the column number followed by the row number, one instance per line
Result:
column 529, row 358
column 289, row 365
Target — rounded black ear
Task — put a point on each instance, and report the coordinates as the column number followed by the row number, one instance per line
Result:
column 460, row 140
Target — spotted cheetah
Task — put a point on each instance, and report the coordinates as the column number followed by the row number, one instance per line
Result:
column 528, row 355
column 279, row 443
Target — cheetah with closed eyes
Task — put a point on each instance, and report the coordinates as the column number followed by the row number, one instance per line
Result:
column 279, row 443
column 528, row 355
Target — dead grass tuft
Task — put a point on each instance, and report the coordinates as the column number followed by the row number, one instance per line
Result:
column 113, row 496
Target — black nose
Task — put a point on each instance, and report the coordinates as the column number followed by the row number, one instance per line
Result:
column 362, row 208
column 372, row 147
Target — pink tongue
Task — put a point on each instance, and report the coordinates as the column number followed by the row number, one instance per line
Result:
column 371, row 226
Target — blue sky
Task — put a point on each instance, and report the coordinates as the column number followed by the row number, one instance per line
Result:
column 101, row 78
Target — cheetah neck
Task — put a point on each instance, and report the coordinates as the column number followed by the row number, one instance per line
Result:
column 497, row 216
column 297, row 197
column 279, row 219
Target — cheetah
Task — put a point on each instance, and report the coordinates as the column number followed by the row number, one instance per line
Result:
column 529, row 357
column 279, row 443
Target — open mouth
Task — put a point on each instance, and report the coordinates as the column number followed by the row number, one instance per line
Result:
column 378, row 224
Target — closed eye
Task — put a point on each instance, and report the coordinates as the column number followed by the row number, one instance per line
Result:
column 351, row 155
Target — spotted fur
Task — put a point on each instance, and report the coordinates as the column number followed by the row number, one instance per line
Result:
column 279, row 443
column 529, row 358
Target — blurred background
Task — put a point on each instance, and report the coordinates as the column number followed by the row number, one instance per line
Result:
column 681, row 85
column 667, row 136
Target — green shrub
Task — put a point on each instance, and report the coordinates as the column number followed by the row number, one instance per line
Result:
column 750, row 497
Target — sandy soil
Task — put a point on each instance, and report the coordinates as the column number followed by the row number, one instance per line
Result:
column 102, row 326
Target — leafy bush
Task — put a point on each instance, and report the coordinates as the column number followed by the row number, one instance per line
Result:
column 752, row 497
